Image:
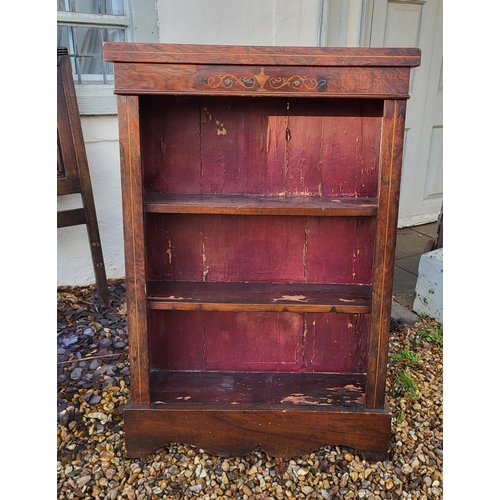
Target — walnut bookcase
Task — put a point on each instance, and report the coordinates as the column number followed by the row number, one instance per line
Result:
column 260, row 200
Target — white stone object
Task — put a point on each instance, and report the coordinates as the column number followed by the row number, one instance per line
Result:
column 429, row 288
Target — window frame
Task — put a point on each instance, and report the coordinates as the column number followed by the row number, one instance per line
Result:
column 140, row 21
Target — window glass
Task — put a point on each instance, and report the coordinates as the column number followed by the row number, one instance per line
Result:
column 110, row 7
column 84, row 44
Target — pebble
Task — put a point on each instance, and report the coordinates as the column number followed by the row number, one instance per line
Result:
column 196, row 489
column 76, row 374
column 95, row 363
column 98, row 415
column 83, row 480
column 67, row 341
column 93, row 384
column 95, row 399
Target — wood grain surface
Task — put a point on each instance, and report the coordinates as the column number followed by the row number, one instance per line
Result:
column 237, row 431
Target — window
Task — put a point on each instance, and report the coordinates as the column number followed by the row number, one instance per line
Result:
column 83, row 26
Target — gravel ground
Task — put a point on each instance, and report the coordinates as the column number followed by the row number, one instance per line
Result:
column 92, row 388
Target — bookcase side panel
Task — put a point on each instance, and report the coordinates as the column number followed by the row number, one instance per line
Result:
column 135, row 258
column 385, row 250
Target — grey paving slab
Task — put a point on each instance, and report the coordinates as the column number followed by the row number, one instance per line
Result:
column 404, row 287
column 401, row 313
column 406, row 299
column 409, row 264
column 410, row 242
column 404, row 280
column 429, row 230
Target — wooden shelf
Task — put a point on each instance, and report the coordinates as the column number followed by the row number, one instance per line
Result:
column 277, row 297
column 260, row 205
column 259, row 389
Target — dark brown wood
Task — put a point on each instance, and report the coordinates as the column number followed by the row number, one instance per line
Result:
column 237, row 430
column 218, row 55
column 68, row 185
column 259, row 241
column 380, row 82
column 260, row 205
column 271, row 390
column 73, row 217
column 385, row 250
column 135, row 259
column 279, row 297
column 73, row 176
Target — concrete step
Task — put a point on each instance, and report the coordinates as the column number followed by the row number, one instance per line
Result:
column 429, row 287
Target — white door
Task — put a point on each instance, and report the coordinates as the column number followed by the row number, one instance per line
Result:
column 416, row 23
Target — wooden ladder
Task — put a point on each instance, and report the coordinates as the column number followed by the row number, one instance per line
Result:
column 73, row 174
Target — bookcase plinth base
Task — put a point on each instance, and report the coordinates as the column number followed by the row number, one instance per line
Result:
column 230, row 431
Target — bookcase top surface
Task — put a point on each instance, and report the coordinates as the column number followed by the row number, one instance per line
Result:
column 164, row 53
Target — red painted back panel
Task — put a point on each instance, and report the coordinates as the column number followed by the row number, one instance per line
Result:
column 261, row 146
column 260, row 248
column 263, row 341
column 172, row 149
column 333, row 147
column 242, row 146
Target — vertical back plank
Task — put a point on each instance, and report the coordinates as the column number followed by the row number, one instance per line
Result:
column 333, row 147
column 391, row 152
column 335, row 343
column 240, row 145
column 133, row 222
column 172, row 154
column 345, row 256
column 177, row 340
column 174, row 247
column 253, row 248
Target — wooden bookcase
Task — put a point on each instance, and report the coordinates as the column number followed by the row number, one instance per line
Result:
column 260, row 203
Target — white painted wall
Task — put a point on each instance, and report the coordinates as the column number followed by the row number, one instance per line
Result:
column 74, row 263
column 258, row 22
